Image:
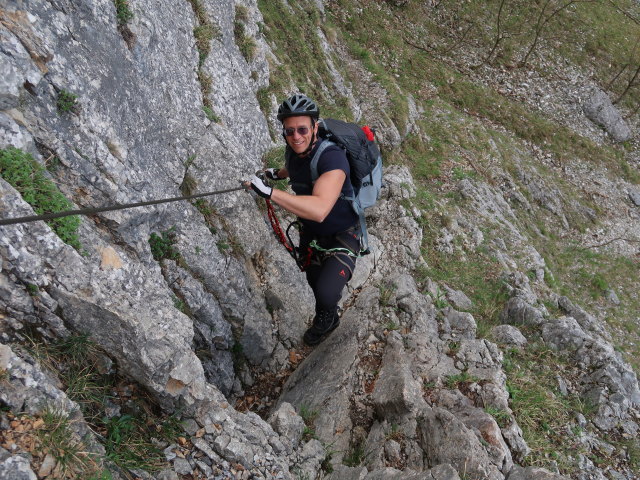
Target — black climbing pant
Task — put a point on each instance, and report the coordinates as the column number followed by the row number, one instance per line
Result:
column 329, row 271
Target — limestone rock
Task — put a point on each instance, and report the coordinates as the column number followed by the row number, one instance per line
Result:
column 518, row 312
column 396, row 392
column 16, row 467
column 508, row 335
column 458, row 299
column 459, row 325
column 533, row 473
column 287, row 423
column 445, row 439
column 599, row 109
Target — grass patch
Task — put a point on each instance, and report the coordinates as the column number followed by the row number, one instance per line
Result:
column 525, row 123
column 387, row 293
column 356, row 21
column 274, row 158
column 391, row 326
column 78, row 362
column 208, row 111
column 127, row 444
column 56, row 437
column 204, row 33
column 28, row 177
column 502, row 417
column 471, row 26
column 205, row 86
column 439, row 299
column 576, row 268
column 460, row 379
column 598, row 36
column 586, row 275
column 356, row 456
column 245, row 43
column 309, row 417
column 89, row 380
column 633, row 453
column 540, row 410
column 476, row 273
column 290, row 28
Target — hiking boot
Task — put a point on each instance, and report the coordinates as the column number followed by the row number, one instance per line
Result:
column 325, row 322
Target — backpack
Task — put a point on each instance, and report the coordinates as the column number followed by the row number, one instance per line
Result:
column 365, row 163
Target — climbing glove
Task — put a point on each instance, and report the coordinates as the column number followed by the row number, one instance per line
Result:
column 260, row 188
column 272, row 173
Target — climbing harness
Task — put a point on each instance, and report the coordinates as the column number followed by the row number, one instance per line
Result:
column 90, row 211
column 345, row 254
column 334, row 251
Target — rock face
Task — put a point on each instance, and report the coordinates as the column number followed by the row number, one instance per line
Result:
column 408, row 387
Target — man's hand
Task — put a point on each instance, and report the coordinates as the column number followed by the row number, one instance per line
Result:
column 272, row 173
column 258, row 186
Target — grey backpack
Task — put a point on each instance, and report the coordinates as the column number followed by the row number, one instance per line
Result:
column 365, row 162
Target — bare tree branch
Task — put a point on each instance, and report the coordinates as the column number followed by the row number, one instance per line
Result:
column 617, row 239
column 499, row 36
column 613, row 80
column 542, row 22
column 630, row 84
column 630, row 16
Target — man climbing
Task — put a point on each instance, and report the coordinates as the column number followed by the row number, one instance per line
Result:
column 329, row 223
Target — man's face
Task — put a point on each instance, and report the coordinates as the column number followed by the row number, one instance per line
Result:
column 297, row 141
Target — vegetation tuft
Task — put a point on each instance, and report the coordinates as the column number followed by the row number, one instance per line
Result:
column 204, row 33
column 123, row 12
column 163, row 245
column 460, row 379
column 309, row 417
column 246, row 43
column 88, row 378
column 67, row 102
column 208, row 111
column 387, row 293
column 356, row 456
column 56, row 437
column 539, row 408
column 28, row 177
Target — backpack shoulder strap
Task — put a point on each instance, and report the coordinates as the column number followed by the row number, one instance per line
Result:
column 316, row 158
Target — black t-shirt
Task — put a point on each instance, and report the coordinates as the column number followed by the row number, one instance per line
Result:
column 342, row 215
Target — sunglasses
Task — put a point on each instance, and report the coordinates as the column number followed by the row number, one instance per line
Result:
column 288, row 132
